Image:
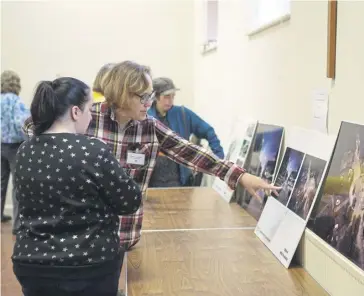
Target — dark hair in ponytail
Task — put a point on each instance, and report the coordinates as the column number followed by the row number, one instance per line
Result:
column 52, row 99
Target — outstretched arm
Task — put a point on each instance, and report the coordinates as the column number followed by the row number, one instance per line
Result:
column 199, row 159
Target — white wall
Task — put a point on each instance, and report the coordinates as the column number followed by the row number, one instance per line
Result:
column 272, row 75
column 41, row 39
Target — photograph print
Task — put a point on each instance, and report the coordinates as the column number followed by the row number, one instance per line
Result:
column 264, row 155
column 231, row 149
column 244, row 149
column 287, row 174
column 339, row 214
column 250, row 130
column 306, row 187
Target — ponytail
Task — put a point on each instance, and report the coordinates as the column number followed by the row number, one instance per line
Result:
column 44, row 107
column 52, row 99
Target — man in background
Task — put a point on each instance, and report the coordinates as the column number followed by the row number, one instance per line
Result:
column 185, row 122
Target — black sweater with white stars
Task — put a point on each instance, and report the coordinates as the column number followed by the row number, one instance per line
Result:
column 70, row 190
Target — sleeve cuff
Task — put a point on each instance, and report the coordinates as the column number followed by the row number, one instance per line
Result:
column 233, row 176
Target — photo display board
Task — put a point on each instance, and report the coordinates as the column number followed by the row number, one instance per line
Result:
column 301, row 174
column 338, row 217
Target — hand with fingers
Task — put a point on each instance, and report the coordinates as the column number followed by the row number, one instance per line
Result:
column 253, row 183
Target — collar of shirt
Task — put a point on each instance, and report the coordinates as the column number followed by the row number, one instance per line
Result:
column 111, row 113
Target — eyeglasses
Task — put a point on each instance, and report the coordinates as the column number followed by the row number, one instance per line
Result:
column 146, row 98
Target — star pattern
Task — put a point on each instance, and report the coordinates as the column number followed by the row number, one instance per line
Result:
column 70, row 190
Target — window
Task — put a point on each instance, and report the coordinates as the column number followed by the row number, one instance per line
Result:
column 267, row 13
column 211, row 30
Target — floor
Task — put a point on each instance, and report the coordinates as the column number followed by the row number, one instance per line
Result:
column 194, row 243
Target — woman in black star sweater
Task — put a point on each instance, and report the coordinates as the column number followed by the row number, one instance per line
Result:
column 71, row 191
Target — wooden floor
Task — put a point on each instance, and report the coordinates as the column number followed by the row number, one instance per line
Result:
column 194, row 243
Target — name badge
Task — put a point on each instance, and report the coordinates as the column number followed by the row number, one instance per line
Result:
column 135, row 158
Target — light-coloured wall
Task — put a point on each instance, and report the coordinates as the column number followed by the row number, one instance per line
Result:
column 41, row 39
column 271, row 76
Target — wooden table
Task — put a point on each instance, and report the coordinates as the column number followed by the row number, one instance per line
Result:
column 194, row 243
column 191, row 208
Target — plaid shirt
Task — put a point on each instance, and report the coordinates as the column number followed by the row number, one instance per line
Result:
column 149, row 137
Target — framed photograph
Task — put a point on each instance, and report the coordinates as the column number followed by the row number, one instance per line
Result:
column 262, row 162
column 339, row 215
column 301, row 175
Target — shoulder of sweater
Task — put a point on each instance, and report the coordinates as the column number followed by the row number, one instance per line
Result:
column 9, row 97
column 95, row 144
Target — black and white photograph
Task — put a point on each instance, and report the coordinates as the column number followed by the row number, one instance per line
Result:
column 244, row 149
column 231, row 149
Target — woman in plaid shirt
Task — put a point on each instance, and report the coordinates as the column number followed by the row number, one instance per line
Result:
column 136, row 139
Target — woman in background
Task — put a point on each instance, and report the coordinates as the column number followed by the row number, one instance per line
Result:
column 70, row 190
column 98, row 93
column 13, row 115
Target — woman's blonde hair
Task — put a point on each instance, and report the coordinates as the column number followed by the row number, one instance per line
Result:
column 97, row 86
column 123, row 81
column 10, row 82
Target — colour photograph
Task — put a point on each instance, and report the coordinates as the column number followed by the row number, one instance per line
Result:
column 263, row 161
column 307, row 184
column 339, row 214
column 287, row 174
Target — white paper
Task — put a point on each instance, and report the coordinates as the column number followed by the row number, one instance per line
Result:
column 320, row 108
column 135, row 158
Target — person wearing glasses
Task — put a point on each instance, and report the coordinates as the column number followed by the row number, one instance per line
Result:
column 184, row 122
column 137, row 138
